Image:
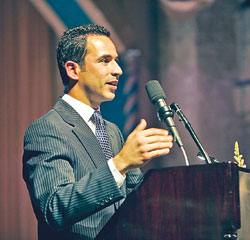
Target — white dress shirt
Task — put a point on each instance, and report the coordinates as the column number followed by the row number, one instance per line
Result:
column 86, row 112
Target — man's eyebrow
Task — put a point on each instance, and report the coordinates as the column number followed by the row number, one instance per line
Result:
column 106, row 56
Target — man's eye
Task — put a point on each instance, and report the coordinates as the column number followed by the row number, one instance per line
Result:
column 105, row 60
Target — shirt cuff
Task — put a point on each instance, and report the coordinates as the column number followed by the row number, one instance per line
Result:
column 119, row 178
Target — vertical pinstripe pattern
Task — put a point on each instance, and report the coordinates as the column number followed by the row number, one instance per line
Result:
column 71, row 187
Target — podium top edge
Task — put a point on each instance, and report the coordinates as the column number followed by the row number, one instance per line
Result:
column 220, row 164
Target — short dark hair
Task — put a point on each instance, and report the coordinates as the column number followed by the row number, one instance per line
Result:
column 72, row 46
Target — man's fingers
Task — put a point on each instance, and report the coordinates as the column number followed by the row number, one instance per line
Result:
column 156, row 146
column 155, row 132
column 158, row 138
column 156, row 153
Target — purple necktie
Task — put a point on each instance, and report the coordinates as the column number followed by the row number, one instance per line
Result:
column 101, row 134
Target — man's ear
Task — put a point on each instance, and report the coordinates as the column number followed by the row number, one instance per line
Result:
column 72, row 70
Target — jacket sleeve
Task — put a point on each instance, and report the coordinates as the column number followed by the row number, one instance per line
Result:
column 50, row 171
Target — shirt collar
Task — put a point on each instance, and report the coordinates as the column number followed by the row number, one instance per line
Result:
column 84, row 110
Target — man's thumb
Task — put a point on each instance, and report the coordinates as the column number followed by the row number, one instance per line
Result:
column 141, row 126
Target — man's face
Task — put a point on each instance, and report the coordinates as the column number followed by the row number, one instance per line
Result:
column 98, row 79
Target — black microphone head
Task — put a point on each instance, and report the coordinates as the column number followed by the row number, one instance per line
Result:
column 154, row 91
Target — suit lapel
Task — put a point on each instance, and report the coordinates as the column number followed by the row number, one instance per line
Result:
column 86, row 136
column 82, row 131
column 116, row 147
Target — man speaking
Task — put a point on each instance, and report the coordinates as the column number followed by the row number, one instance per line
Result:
column 76, row 166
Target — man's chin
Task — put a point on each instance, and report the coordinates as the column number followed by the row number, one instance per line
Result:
column 110, row 97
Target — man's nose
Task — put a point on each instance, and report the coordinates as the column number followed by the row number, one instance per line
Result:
column 117, row 71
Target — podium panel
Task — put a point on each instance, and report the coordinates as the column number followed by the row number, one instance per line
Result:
column 244, row 188
column 199, row 202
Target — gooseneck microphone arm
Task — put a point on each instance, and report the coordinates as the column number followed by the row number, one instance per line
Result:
column 188, row 126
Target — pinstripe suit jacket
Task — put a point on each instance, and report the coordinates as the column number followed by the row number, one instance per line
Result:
column 72, row 190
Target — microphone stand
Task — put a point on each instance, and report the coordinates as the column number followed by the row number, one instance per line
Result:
column 188, row 126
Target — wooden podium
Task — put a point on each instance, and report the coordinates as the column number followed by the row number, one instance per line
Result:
column 199, row 202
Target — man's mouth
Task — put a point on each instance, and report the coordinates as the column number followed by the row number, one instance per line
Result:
column 115, row 83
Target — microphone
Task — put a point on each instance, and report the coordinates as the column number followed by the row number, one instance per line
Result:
column 165, row 113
